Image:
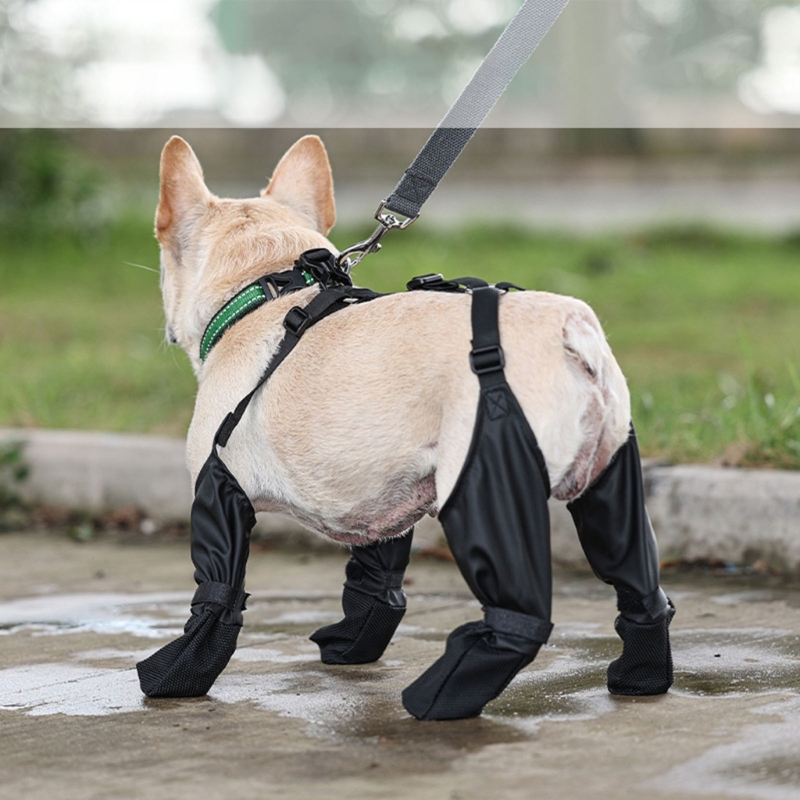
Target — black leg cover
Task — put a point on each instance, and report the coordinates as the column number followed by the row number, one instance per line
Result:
column 618, row 539
column 645, row 666
column 498, row 528
column 222, row 518
column 373, row 602
column 613, row 526
column 479, row 661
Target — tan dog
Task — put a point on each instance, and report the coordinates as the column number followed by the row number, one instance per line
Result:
column 365, row 427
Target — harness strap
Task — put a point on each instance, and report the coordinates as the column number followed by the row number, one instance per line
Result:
column 435, row 282
column 487, row 358
column 297, row 321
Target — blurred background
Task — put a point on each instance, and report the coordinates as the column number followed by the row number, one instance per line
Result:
column 393, row 63
column 646, row 159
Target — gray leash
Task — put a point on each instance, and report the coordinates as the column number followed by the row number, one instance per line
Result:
column 510, row 52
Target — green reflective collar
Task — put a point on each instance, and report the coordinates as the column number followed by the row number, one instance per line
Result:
column 249, row 299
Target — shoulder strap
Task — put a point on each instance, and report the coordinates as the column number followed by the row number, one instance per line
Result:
column 297, row 321
column 486, row 359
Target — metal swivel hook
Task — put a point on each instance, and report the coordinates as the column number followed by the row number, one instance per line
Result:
column 354, row 254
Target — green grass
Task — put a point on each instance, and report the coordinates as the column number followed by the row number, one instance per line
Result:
column 81, row 336
column 704, row 324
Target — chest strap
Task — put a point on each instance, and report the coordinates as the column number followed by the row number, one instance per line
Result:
column 296, row 322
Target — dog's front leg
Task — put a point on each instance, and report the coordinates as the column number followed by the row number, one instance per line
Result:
column 373, row 602
column 222, row 518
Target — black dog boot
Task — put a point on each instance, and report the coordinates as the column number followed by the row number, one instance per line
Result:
column 373, row 602
column 645, row 666
column 480, row 660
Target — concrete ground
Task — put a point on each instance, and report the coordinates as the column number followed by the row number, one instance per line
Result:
column 75, row 617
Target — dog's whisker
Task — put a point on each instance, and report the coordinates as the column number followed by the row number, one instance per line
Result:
column 141, row 266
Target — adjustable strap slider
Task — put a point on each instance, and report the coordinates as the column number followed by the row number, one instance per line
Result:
column 433, row 280
column 296, row 320
column 487, row 359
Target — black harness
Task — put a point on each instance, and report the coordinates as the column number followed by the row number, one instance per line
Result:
column 496, row 521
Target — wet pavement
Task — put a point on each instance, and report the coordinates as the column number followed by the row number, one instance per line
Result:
column 75, row 617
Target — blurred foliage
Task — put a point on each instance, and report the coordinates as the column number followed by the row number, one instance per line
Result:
column 35, row 79
column 335, row 56
column 46, row 186
column 680, row 43
column 704, row 324
column 13, row 470
column 597, row 68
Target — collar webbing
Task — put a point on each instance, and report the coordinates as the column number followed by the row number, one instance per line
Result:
column 313, row 266
column 241, row 304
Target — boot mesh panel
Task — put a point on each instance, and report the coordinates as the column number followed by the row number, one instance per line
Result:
column 189, row 666
column 645, row 666
column 469, row 674
column 364, row 633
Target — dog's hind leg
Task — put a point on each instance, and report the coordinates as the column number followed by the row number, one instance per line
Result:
column 497, row 524
column 617, row 537
column 373, row 602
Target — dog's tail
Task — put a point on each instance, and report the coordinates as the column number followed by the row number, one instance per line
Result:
column 606, row 409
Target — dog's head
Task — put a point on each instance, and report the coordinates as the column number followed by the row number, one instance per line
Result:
column 212, row 247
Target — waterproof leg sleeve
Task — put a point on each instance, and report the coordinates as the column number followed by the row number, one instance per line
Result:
column 222, row 518
column 498, row 528
column 617, row 537
column 373, row 602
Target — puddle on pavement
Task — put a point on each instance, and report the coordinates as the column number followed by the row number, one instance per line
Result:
column 730, row 661
column 276, row 670
column 43, row 689
column 147, row 615
column 762, row 764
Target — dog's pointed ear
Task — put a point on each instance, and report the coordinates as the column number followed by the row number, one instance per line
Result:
column 183, row 192
column 303, row 180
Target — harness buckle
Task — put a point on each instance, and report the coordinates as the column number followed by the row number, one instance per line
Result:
column 296, row 320
column 487, row 359
column 429, row 281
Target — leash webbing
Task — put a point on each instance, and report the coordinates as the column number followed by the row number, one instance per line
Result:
column 514, row 47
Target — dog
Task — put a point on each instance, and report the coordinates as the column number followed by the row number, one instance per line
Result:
column 367, row 427
column 393, row 373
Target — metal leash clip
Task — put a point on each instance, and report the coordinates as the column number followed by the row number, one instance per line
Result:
column 387, row 220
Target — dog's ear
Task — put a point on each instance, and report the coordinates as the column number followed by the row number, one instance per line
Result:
column 303, row 181
column 183, row 191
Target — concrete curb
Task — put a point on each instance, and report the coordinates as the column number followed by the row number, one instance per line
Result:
column 737, row 515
